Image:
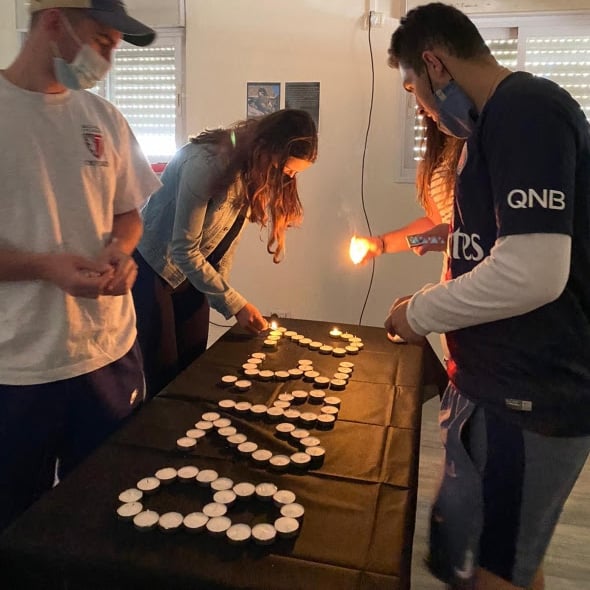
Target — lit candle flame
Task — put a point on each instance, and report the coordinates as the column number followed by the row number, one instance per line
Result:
column 274, row 325
column 358, row 249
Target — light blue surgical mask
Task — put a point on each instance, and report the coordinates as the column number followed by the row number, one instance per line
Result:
column 87, row 68
column 456, row 113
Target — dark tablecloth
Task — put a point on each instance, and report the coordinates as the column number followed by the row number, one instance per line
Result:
column 360, row 504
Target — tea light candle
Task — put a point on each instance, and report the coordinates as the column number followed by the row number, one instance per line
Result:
column 305, row 342
column 243, row 385
column 308, row 418
column 170, row 521
column 294, row 510
column 266, row 375
column 316, row 396
column 130, row 495
column 281, row 404
column 305, row 362
column 347, row 365
column 285, row 397
column 238, row 533
column 253, row 360
column 330, row 410
column 187, row 473
column 243, row 407
column 148, row 485
column 279, row 462
column 276, row 338
column 222, row 483
column 264, row 533
column 289, row 333
column 210, row 417
column 321, row 382
column 273, row 414
column 258, row 410
column 222, row 422
column 268, row 343
column 310, row 375
column 206, row 476
column 228, row 380
column 282, row 497
column 341, row 375
column 299, row 396
column 317, row 455
column 226, row 404
column 335, row 333
column 345, row 370
column 129, row 510
column 315, row 345
column 298, row 434
column 247, row 366
column 236, row 439
column 291, row 415
column 352, row 349
column 251, row 373
column 339, row 352
column 300, row 460
column 295, row 373
column 286, row 527
column 276, row 333
column 259, row 355
column 186, row 443
column 326, row 349
column 284, row 429
column 338, row 384
column 244, row 490
column 305, row 368
column 195, row 522
column 346, row 336
column 205, row 425
column 227, row 431
column 214, row 509
column 325, row 421
column 146, row 520
column 282, row 375
column 297, row 338
column 310, row 441
column 218, row 525
column 195, row 433
column 261, row 456
column 266, row 490
column 247, row 448
column 332, row 401
column 166, row 475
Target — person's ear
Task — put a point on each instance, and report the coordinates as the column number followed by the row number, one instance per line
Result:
column 433, row 63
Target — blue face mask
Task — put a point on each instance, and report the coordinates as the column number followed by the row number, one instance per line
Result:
column 456, row 112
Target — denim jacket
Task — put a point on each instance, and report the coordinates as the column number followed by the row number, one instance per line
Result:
column 183, row 223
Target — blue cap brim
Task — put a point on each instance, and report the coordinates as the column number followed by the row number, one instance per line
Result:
column 133, row 31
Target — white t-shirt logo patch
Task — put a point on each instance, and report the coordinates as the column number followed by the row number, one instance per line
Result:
column 93, row 140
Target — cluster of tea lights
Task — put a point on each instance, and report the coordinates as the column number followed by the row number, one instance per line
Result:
column 213, row 517
column 309, row 453
column 291, row 425
column 347, row 343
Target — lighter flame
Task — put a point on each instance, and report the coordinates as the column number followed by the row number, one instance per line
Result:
column 358, row 249
column 274, row 325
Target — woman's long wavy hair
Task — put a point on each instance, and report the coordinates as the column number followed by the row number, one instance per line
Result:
column 441, row 150
column 262, row 147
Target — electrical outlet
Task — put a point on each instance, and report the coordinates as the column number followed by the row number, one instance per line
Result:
column 376, row 18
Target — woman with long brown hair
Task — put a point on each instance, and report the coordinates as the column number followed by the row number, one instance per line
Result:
column 213, row 185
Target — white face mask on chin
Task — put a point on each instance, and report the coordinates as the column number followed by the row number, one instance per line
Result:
column 87, row 68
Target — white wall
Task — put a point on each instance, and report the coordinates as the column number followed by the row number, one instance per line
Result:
column 8, row 36
column 230, row 42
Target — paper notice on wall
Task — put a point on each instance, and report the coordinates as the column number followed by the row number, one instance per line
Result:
column 304, row 96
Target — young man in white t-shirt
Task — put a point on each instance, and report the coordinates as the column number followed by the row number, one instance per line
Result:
column 73, row 180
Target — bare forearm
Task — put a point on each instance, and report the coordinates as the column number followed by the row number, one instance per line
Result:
column 16, row 265
column 127, row 230
column 395, row 241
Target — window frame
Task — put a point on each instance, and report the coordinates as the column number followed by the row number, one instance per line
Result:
column 570, row 23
